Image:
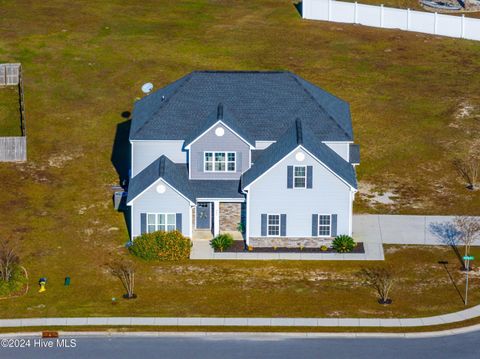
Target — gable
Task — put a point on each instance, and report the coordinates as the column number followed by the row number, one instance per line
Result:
column 160, row 191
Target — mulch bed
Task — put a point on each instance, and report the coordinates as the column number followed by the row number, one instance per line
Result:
column 239, row 246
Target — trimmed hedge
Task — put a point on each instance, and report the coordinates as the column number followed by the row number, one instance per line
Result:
column 168, row 246
column 343, row 243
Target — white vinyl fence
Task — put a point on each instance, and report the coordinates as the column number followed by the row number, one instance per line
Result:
column 391, row 18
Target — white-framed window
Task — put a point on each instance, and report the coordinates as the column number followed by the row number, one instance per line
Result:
column 219, row 161
column 161, row 222
column 299, row 177
column 324, row 225
column 273, row 225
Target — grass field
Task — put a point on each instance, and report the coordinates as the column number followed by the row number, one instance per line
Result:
column 240, row 288
column 414, row 98
column 9, row 111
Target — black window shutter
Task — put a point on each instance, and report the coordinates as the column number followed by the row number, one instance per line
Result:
column 334, row 225
column 143, row 223
column 264, row 225
column 314, row 225
column 283, row 225
column 289, row 176
column 178, row 221
column 309, row 176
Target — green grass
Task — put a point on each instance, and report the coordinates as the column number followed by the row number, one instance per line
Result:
column 239, row 288
column 83, row 65
column 9, row 111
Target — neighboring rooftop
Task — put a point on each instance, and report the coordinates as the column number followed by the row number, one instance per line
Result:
column 261, row 104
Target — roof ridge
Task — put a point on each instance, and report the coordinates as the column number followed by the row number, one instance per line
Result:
column 319, row 105
column 165, row 101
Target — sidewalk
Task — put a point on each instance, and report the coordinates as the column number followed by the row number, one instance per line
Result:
column 246, row 322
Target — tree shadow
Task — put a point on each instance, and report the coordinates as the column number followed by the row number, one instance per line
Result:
column 121, row 161
column 444, row 264
column 447, row 234
column 299, row 7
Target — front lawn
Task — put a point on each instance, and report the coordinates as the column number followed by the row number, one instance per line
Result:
column 240, row 288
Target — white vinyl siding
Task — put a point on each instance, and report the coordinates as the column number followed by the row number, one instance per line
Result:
column 161, row 222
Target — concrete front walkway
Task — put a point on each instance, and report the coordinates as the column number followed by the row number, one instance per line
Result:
column 246, row 322
column 202, row 250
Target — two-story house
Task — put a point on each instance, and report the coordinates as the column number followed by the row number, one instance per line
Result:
column 266, row 149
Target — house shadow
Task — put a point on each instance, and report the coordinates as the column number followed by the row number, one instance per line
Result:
column 299, row 8
column 121, row 160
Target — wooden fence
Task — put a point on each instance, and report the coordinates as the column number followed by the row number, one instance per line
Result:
column 14, row 149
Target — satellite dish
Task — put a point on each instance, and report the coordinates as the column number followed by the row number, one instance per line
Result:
column 147, row 88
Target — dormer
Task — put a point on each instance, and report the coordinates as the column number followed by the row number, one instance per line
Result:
column 219, row 148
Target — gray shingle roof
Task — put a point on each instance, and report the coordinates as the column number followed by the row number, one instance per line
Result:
column 177, row 176
column 298, row 135
column 263, row 105
column 220, row 114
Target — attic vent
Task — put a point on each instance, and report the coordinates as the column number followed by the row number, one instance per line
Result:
column 220, row 112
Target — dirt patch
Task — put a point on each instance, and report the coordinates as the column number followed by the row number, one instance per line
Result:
column 375, row 196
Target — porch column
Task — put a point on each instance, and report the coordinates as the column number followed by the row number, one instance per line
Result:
column 216, row 218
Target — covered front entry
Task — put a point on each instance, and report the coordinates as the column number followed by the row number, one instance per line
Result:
column 204, row 215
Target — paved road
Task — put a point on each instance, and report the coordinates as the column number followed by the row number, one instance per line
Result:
column 464, row 346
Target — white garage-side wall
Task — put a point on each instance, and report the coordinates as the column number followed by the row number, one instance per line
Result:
column 151, row 201
column 145, row 152
column 270, row 195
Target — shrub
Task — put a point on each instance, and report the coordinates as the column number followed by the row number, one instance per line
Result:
column 16, row 283
column 172, row 246
column 343, row 243
column 221, row 242
column 324, row 248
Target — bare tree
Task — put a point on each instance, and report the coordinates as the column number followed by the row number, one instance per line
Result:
column 381, row 279
column 8, row 260
column 125, row 271
column 469, row 232
column 469, row 169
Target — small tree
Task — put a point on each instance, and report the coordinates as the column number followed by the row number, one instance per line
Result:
column 8, row 261
column 469, row 169
column 447, row 233
column 125, row 271
column 381, row 279
column 469, row 232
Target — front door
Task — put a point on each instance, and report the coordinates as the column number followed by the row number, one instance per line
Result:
column 204, row 212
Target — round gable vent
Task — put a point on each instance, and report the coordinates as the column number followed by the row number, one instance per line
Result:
column 300, row 156
column 219, row 131
column 161, row 188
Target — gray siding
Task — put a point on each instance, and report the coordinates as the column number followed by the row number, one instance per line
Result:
column 341, row 148
column 145, row 152
column 269, row 194
column 153, row 202
column 211, row 142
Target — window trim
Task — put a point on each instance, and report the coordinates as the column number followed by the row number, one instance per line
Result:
column 226, row 162
column 294, row 176
column 324, row 225
column 157, row 224
column 279, row 224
